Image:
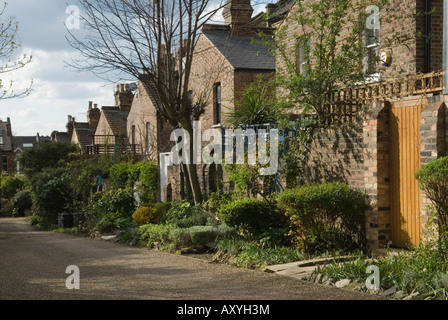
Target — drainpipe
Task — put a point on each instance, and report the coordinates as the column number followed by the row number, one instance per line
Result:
column 427, row 36
column 445, row 47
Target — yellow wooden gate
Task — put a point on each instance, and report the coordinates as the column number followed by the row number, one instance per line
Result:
column 405, row 200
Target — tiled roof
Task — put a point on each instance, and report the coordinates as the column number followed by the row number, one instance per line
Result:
column 242, row 52
column 116, row 119
column 84, row 135
column 7, row 141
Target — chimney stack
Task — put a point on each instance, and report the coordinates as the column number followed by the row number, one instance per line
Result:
column 8, row 127
column 69, row 126
column 238, row 15
column 93, row 115
column 123, row 97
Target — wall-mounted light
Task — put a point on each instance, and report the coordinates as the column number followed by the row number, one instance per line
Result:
column 385, row 58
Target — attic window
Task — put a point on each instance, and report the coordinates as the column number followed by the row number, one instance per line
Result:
column 27, row 145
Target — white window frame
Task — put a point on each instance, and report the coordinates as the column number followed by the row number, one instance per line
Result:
column 301, row 58
column 372, row 51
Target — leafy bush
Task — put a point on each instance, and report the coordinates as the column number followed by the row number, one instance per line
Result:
column 144, row 215
column 54, row 192
column 36, row 221
column 423, row 269
column 111, row 208
column 207, row 235
column 249, row 254
column 21, row 202
column 183, row 215
column 433, row 179
column 325, row 217
column 89, row 169
column 6, row 207
column 122, row 175
column 11, row 185
column 254, row 217
column 149, row 234
column 254, row 256
column 125, row 175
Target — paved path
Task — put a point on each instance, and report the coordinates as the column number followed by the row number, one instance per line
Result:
column 33, row 265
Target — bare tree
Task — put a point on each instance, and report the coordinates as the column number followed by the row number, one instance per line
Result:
column 9, row 62
column 153, row 41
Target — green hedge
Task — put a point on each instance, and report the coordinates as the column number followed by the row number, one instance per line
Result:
column 325, row 217
column 254, row 217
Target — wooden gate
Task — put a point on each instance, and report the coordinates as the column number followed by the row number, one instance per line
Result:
column 405, row 199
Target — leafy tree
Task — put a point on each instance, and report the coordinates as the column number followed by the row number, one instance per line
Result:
column 9, row 50
column 152, row 41
column 256, row 106
column 326, row 56
column 46, row 155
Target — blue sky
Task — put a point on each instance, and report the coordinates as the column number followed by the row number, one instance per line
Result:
column 58, row 91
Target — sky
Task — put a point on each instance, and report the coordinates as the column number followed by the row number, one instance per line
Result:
column 57, row 90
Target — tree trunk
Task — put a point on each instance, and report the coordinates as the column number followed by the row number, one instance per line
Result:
column 191, row 167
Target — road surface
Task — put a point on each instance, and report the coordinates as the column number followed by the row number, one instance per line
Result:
column 33, row 267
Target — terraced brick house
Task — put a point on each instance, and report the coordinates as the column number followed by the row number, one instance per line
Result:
column 6, row 147
column 228, row 57
column 395, row 122
column 109, row 134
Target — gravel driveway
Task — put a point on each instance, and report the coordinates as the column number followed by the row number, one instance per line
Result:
column 33, row 266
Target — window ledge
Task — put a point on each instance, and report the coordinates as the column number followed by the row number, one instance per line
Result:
column 372, row 78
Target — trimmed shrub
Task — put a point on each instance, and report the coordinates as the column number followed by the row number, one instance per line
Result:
column 254, row 217
column 433, row 179
column 144, row 215
column 325, row 217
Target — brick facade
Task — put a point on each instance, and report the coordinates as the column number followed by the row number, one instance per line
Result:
column 143, row 119
column 359, row 154
column 6, row 148
column 217, row 60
